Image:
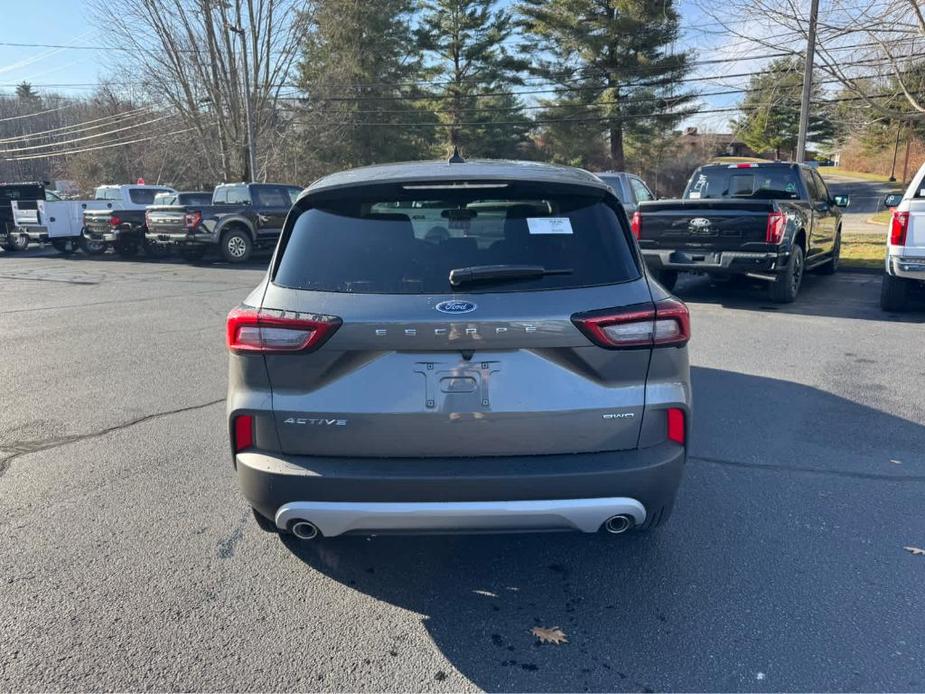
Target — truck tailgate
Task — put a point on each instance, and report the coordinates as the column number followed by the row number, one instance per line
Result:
column 718, row 225
column 167, row 219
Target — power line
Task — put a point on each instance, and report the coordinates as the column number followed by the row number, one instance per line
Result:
column 73, row 128
column 88, row 137
column 98, row 147
column 37, row 113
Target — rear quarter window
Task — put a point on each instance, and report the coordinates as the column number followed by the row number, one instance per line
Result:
column 409, row 246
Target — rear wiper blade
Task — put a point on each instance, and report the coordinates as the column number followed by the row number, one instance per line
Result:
column 478, row 273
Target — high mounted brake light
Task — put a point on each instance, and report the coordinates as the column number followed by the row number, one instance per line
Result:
column 268, row 331
column 899, row 224
column 666, row 324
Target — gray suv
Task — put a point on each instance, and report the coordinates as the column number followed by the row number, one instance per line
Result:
column 458, row 347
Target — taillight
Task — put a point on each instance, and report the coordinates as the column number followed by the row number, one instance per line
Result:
column 148, row 219
column 666, row 324
column 243, row 432
column 777, row 222
column 269, row 331
column 677, row 431
column 114, row 221
column 636, row 224
column 193, row 219
column 899, row 224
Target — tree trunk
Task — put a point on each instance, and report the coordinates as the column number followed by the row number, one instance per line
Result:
column 617, row 160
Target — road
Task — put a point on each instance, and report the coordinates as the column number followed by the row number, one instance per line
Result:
column 866, row 199
column 130, row 562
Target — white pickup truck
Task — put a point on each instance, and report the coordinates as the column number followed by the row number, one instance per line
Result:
column 61, row 223
column 905, row 257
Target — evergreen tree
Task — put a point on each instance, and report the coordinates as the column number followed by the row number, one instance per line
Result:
column 614, row 58
column 359, row 72
column 26, row 92
column 465, row 42
column 771, row 110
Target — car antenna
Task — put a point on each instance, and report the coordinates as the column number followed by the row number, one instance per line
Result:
column 456, row 158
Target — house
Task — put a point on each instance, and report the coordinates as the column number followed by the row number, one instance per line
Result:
column 713, row 144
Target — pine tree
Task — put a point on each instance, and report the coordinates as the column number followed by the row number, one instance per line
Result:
column 466, row 44
column 26, row 92
column 771, row 110
column 615, row 61
column 360, row 73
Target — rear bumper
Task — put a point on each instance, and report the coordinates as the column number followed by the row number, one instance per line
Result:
column 540, row 492
column 35, row 234
column 716, row 262
column 910, row 268
column 180, row 238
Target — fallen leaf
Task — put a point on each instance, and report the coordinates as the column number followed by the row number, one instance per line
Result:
column 896, row 462
column 917, row 551
column 549, row 635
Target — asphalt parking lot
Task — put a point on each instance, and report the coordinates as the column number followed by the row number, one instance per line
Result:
column 128, row 561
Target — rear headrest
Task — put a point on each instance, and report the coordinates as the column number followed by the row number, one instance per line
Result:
column 460, row 241
column 399, row 227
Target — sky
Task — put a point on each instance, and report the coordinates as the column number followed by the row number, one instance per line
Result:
column 67, row 22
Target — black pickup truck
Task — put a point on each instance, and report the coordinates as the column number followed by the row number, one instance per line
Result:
column 240, row 218
column 769, row 221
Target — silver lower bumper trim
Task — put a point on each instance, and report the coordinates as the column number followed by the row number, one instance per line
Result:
column 339, row 517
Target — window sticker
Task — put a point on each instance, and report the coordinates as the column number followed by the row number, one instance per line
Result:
column 549, row 225
column 694, row 195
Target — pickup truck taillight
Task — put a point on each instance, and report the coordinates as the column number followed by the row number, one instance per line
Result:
column 114, row 221
column 777, row 222
column 265, row 331
column 193, row 219
column 666, row 324
column 899, row 224
column 148, row 219
column 636, row 224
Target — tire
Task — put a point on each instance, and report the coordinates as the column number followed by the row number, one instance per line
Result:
column 16, row 242
column 830, row 267
column 667, row 278
column 193, row 254
column 64, row 246
column 127, row 249
column 894, row 293
column 91, row 247
column 264, row 523
column 237, row 246
column 785, row 288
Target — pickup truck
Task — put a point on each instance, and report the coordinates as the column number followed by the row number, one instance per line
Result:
column 905, row 257
column 769, row 221
column 122, row 224
column 240, row 218
column 58, row 222
column 25, row 195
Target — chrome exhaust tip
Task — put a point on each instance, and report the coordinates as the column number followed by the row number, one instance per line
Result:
column 304, row 530
column 617, row 525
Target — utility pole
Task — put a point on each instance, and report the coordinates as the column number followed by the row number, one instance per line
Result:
column 807, row 81
column 248, row 117
column 899, row 129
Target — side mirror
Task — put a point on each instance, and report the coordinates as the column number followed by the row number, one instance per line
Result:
column 842, row 201
column 892, row 200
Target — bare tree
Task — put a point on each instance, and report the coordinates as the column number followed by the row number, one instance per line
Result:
column 184, row 57
column 872, row 50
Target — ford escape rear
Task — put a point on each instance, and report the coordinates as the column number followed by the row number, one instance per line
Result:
column 458, row 347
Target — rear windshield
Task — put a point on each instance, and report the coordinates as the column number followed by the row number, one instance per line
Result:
column 409, row 246
column 195, row 198
column 752, row 183
column 144, row 196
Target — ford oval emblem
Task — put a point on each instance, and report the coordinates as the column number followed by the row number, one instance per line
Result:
column 454, row 306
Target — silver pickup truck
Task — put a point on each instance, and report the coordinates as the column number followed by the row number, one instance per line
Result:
column 905, row 257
